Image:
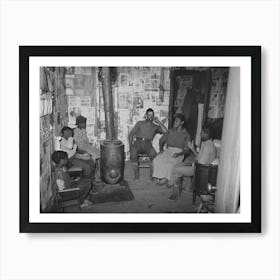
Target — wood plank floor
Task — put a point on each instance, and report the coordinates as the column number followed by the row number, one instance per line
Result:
column 148, row 197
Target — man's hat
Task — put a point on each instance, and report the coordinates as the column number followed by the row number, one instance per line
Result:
column 80, row 119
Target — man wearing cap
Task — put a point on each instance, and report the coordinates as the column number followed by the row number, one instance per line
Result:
column 144, row 131
column 81, row 139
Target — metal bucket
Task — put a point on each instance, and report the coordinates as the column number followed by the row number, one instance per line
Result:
column 112, row 161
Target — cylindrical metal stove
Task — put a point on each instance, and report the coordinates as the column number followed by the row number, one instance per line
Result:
column 112, row 161
column 112, row 155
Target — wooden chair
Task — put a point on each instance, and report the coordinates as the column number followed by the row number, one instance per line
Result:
column 67, row 198
column 205, row 178
column 75, row 172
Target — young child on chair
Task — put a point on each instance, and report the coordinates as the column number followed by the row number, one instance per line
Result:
column 62, row 178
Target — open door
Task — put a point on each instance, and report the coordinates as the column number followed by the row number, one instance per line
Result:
column 189, row 88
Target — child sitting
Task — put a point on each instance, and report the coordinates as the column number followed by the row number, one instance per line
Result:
column 83, row 160
column 62, row 178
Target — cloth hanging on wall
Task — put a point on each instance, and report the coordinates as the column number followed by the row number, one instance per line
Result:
column 199, row 124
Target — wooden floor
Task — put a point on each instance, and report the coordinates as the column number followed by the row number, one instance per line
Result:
column 148, row 197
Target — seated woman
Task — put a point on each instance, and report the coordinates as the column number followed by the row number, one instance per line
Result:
column 176, row 140
column 206, row 155
column 83, row 160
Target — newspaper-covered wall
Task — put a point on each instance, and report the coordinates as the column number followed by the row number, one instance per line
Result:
column 80, row 91
column 218, row 93
column 135, row 90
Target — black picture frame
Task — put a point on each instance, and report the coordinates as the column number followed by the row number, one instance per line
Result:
column 254, row 52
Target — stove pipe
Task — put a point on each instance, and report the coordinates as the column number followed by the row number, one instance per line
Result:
column 108, row 102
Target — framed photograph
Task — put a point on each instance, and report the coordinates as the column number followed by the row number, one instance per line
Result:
column 140, row 138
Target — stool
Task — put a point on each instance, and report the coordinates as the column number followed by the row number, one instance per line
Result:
column 205, row 178
column 143, row 161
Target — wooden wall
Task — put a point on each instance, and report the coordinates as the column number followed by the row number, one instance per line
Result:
column 53, row 116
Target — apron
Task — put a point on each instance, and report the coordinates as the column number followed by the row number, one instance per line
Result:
column 164, row 163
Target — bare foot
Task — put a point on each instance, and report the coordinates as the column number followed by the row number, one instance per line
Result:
column 155, row 180
column 162, row 181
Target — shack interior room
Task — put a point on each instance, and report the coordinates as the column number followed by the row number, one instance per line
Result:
column 110, row 102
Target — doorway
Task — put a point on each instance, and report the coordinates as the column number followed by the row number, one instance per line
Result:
column 188, row 89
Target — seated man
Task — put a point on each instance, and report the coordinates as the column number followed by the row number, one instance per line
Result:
column 145, row 132
column 176, row 139
column 81, row 139
column 62, row 178
column 83, row 160
column 206, row 155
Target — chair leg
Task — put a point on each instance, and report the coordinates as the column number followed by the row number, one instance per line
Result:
column 135, row 167
column 180, row 185
column 97, row 173
column 151, row 170
column 194, row 198
column 138, row 171
column 200, row 207
column 177, row 192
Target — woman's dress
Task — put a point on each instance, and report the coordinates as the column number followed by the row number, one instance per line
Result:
column 164, row 163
